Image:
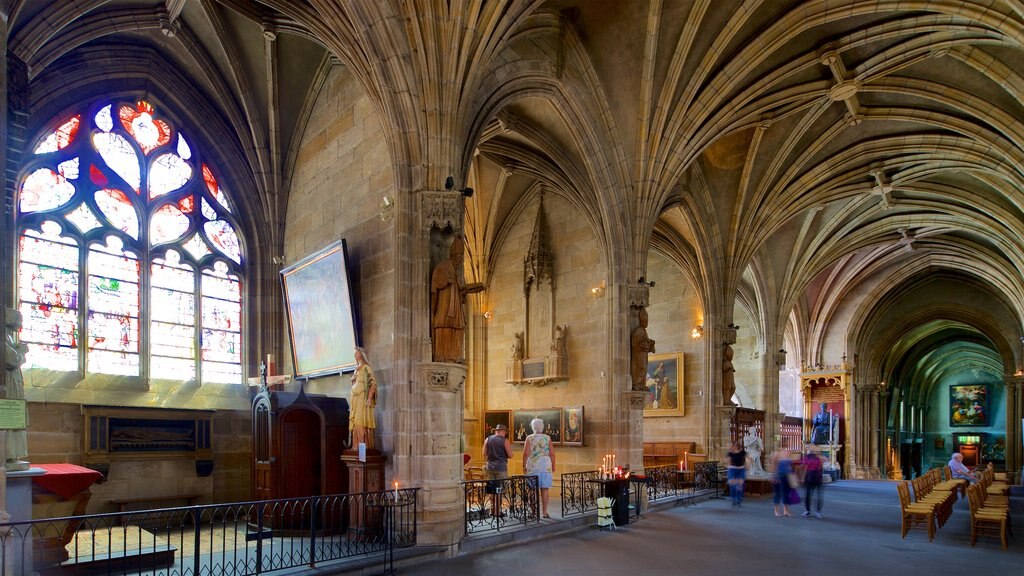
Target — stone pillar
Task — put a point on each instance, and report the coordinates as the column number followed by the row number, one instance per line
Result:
column 874, row 456
column 772, row 430
column 439, row 454
column 720, row 442
column 1014, row 413
column 629, row 413
column 431, row 422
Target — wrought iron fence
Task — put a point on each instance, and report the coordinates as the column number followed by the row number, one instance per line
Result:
column 501, row 503
column 663, row 482
column 708, row 476
column 238, row 538
column 578, row 494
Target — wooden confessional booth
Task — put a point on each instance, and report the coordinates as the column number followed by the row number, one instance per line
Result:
column 297, row 439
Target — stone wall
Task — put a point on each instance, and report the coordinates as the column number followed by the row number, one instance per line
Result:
column 342, row 172
column 56, row 437
column 675, row 309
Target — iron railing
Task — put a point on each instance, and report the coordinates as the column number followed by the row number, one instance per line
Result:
column 238, row 538
column 501, row 503
column 663, row 482
column 578, row 494
column 708, row 476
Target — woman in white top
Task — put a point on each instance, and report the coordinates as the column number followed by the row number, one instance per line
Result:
column 539, row 461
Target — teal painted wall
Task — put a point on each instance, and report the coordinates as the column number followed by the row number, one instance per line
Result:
column 937, row 417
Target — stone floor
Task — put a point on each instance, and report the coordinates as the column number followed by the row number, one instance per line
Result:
column 859, row 534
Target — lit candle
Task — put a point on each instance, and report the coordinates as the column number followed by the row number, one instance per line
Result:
column 396, row 490
column 270, row 364
column 680, row 465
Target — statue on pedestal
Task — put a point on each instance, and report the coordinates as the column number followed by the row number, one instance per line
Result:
column 728, row 376
column 824, row 426
column 754, row 447
column 447, row 292
column 362, row 421
column 14, row 357
column 640, row 347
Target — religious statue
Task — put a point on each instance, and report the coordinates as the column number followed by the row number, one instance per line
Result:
column 361, row 419
column 447, row 292
column 824, row 425
column 558, row 343
column 517, row 347
column 754, row 447
column 728, row 376
column 14, row 357
column 640, row 347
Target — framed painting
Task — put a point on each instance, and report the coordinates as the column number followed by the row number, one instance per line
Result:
column 572, row 426
column 968, row 405
column 664, row 385
column 552, row 418
column 494, row 417
column 321, row 321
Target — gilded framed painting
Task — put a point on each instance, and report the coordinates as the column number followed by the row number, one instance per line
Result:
column 572, row 426
column 321, row 318
column 664, row 385
column 494, row 417
column 552, row 418
column 968, row 405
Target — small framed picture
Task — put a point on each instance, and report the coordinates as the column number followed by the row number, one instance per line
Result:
column 552, row 418
column 572, row 425
column 664, row 385
column 494, row 417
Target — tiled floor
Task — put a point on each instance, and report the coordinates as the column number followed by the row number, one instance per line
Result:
column 860, row 534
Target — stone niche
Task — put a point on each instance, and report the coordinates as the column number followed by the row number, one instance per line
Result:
column 538, row 354
column 112, row 433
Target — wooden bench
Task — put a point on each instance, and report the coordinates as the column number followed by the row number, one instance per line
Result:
column 663, row 453
column 130, row 504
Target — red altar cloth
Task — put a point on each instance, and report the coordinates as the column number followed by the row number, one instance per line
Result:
column 65, row 480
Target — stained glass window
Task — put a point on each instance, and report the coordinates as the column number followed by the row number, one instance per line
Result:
column 87, row 246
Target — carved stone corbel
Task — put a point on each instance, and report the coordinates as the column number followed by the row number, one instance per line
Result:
column 638, row 296
column 442, row 376
column 442, row 209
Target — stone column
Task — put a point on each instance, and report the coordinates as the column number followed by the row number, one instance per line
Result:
column 720, row 442
column 1014, row 413
column 874, row 457
column 430, row 425
column 629, row 413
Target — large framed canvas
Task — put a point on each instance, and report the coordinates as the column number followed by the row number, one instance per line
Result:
column 968, row 405
column 494, row 417
column 552, row 418
column 572, row 425
column 664, row 385
column 321, row 322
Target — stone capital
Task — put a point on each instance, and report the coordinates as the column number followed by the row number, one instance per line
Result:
column 442, row 376
column 638, row 296
column 634, row 399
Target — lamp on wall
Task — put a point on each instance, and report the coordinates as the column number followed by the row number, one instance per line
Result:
column 697, row 332
column 598, row 291
column 387, row 209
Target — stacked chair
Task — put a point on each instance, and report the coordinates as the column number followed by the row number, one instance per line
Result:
column 930, row 489
column 990, row 514
column 916, row 514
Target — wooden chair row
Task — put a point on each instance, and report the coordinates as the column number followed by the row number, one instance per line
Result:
column 990, row 514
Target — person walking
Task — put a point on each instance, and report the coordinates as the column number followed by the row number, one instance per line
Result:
column 782, row 469
column 736, row 471
column 813, row 472
column 539, row 461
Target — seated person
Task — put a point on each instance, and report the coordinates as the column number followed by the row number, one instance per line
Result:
column 957, row 468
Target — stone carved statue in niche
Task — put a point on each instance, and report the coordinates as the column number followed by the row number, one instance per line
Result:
column 447, row 303
column 517, row 347
column 640, row 346
column 728, row 376
column 14, row 357
column 558, row 343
